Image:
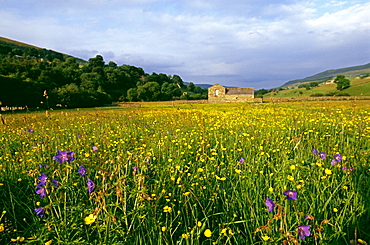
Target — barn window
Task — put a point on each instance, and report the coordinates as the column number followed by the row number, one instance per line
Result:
column 216, row 92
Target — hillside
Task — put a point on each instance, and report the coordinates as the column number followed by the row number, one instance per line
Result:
column 31, row 50
column 359, row 87
column 350, row 72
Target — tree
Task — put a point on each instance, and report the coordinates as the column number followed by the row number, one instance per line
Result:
column 342, row 82
column 132, row 94
column 149, row 92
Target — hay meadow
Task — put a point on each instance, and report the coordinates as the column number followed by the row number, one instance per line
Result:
column 270, row 173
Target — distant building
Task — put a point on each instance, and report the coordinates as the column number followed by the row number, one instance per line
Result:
column 220, row 94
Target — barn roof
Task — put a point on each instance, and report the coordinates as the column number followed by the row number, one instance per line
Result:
column 239, row 91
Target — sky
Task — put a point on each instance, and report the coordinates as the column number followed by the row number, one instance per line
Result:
column 241, row 43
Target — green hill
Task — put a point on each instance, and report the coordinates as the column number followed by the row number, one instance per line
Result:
column 349, row 72
column 359, row 87
column 24, row 49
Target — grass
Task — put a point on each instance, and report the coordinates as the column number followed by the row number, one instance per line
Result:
column 359, row 87
column 175, row 174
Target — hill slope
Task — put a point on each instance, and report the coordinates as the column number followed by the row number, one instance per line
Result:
column 330, row 74
column 27, row 48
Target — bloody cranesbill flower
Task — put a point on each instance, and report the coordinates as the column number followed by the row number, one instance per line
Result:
column 303, row 231
column 95, row 148
column 242, row 160
column 314, row 151
column 135, row 167
column 322, row 155
column 30, row 130
column 62, row 156
column 40, row 212
column 41, row 190
column 270, row 204
column 291, row 195
column 90, row 185
column 82, row 170
column 338, row 157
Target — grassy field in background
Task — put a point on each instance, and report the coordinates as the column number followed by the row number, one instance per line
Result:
column 270, row 173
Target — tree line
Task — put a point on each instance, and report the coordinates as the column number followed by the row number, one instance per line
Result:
column 38, row 78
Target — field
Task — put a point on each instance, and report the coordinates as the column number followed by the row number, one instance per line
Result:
column 271, row 173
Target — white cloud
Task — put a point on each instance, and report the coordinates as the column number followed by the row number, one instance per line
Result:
column 211, row 41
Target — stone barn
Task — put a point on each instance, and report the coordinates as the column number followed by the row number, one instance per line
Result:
column 220, row 94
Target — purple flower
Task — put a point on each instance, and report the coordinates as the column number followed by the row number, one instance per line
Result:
column 62, row 156
column 322, row 155
column 55, row 182
column 42, row 165
column 291, row 195
column 43, row 178
column 303, row 231
column 40, row 212
column 338, row 157
column 90, row 185
column 314, row 151
column 30, row 130
column 95, row 148
column 148, row 161
column 41, row 190
column 82, row 171
column 242, row 160
column 135, row 167
column 333, row 162
column 270, row 204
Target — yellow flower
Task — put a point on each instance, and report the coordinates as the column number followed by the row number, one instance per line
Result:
column 37, row 203
column 299, row 186
column 48, row 242
column 199, row 224
column 207, row 233
column 186, row 193
column 292, row 167
column 271, row 189
column 164, row 228
column 18, row 239
column 223, row 231
column 328, row 171
column 291, row 178
column 335, row 210
column 167, row 209
column 185, row 236
column 200, row 170
column 238, row 171
column 2, row 228
column 265, row 238
column 345, row 187
column 90, row 219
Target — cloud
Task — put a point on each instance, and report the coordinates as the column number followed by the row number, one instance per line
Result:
column 264, row 43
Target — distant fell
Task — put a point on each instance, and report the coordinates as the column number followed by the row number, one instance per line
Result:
column 330, row 74
column 13, row 44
